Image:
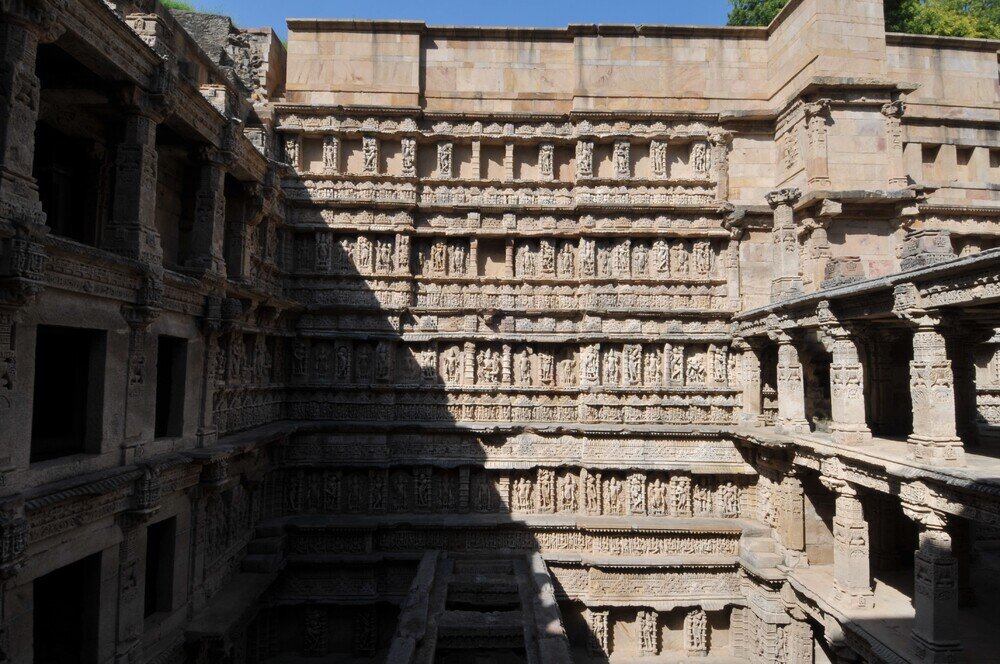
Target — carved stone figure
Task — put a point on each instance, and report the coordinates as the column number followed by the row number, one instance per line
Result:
column 591, row 365
column 696, row 633
column 648, row 632
column 616, row 503
column 369, row 148
column 438, row 257
column 633, row 364
column 444, row 160
column 452, row 366
column 622, row 159
column 695, row 370
column 588, row 264
column 699, row 158
column 679, row 258
column 565, row 261
column 729, row 500
column 522, row 368
column 383, row 257
column 702, row 257
column 488, row 363
column 584, row 159
column 661, row 256
column 408, row 151
column 611, row 370
column 383, row 360
column 546, row 368
column 457, row 267
column 548, row 257
column 657, row 497
column 545, row 152
column 640, row 260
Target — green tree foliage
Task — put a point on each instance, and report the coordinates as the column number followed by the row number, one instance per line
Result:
column 954, row 18
column 754, row 12
column 178, row 4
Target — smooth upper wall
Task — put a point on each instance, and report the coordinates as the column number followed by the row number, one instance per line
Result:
column 957, row 78
column 613, row 68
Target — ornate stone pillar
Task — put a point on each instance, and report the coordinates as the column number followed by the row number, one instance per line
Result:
column 786, row 276
column 893, row 113
column 131, row 231
column 935, row 588
column 932, row 385
column 791, row 417
column 211, row 325
column 209, row 215
column 817, row 164
column 851, row 561
column 847, row 381
column 750, row 381
column 791, row 519
column 23, row 25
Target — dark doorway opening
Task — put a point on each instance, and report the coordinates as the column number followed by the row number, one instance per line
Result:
column 68, row 392
column 66, row 613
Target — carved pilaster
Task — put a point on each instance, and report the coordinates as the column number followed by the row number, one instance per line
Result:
column 209, row 216
column 718, row 162
column 893, row 113
column 818, row 118
column 786, row 276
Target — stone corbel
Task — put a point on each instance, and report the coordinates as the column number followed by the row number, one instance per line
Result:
column 215, row 472
column 146, row 495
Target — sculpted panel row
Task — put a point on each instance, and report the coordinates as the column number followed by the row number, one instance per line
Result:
column 369, row 155
column 611, row 365
column 537, row 491
column 485, row 405
column 673, row 259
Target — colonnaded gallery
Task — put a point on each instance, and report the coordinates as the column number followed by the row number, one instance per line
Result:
column 414, row 344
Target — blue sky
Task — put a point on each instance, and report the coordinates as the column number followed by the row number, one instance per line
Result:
column 257, row 13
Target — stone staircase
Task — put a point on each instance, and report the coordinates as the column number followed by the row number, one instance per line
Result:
column 480, row 609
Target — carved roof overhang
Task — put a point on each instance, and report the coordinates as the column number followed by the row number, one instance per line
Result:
column 969, row 281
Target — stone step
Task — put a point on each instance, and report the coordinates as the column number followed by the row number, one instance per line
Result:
column 266, row 545
column 259, row 563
